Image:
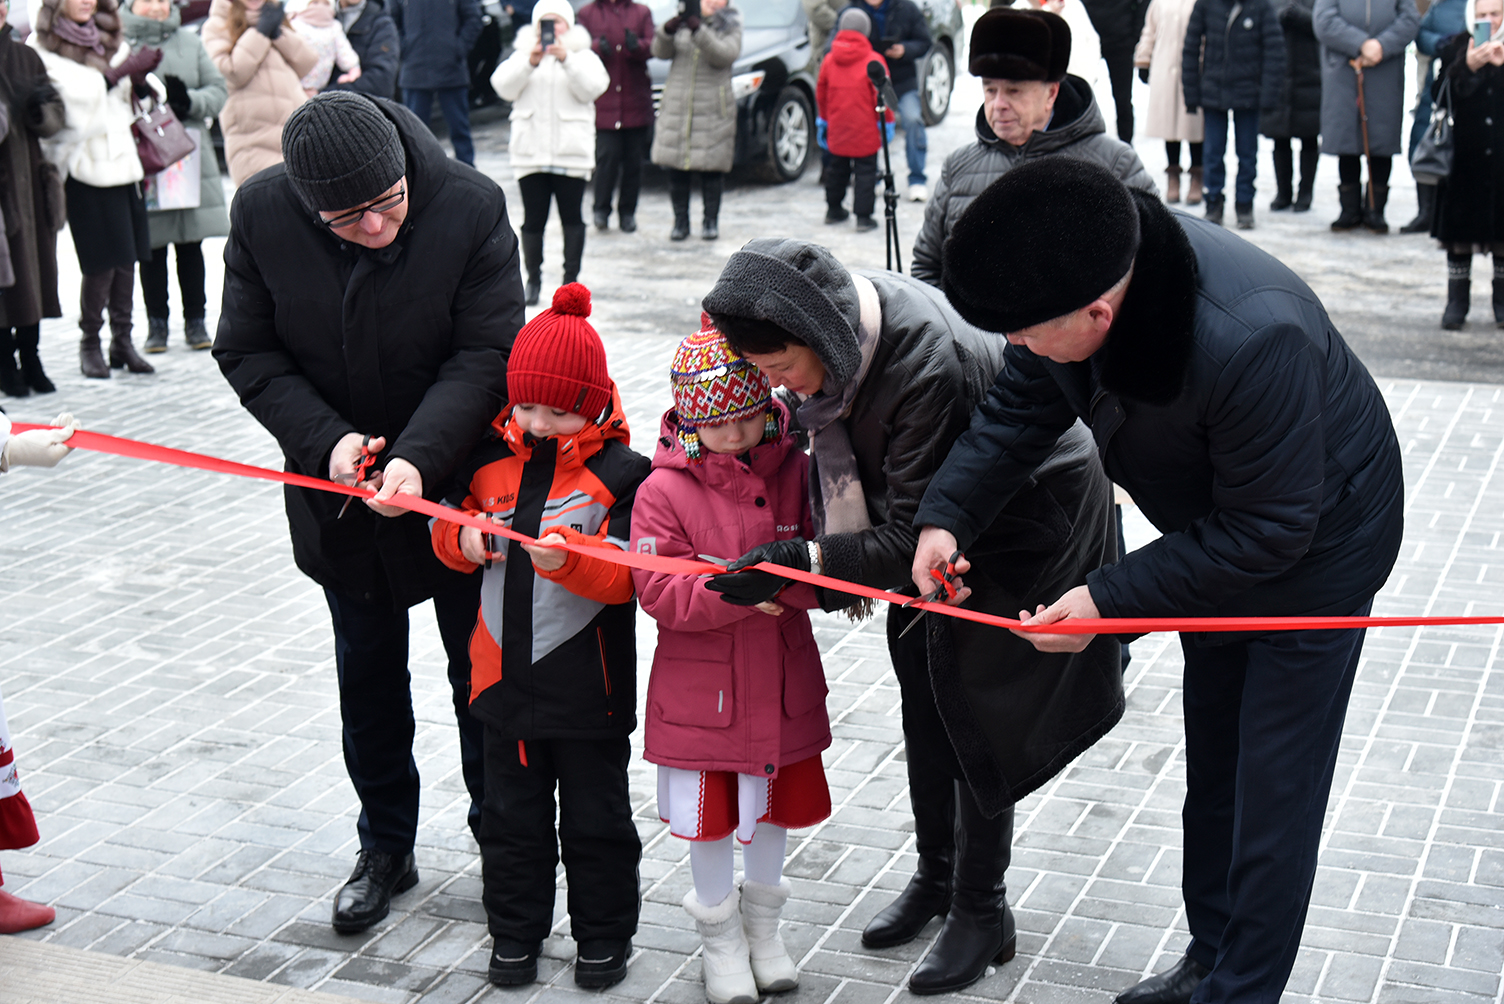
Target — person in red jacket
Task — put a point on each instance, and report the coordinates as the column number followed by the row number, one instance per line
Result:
column 847, row 104
column 736, row 714
column 554, row 653
column 622, row 35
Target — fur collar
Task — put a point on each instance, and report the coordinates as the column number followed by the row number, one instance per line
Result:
column 1148, row 353
column 106, row 19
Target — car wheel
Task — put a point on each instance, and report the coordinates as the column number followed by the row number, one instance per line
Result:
column 791, row 136
column 938, row 77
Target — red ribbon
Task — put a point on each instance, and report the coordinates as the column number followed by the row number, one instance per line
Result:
column 100, row 443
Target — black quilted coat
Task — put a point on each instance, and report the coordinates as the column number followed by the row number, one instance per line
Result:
column 1234, row 55
column 1298, row 110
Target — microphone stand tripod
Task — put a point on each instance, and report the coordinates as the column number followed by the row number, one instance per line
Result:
column 890, row 193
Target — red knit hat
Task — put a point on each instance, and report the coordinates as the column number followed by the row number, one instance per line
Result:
column 558, row 360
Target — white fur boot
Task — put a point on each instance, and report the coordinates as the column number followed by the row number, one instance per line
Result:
column 761, row 906
column 728, row 969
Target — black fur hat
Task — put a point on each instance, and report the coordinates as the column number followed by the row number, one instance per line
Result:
column 1011, row 44
column 1045, row 239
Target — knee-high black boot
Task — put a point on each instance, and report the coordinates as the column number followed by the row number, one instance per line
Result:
column 12, row 383
column 678, row 196
column 979, row 928
column 28, row 341
column 574, row 250
column 1459, row 290
column 1425, row 205
column 1284, row 177
column 1310, row 157
column 927, row 895
column 711, row 185
column 532, row 261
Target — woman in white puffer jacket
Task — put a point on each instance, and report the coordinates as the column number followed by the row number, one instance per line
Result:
column 552, row 145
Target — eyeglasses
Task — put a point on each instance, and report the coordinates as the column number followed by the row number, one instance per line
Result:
column 384, row 205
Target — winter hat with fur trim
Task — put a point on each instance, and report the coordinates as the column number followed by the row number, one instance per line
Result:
column 1045, row 239
column 1009, row 44
column 558, row 360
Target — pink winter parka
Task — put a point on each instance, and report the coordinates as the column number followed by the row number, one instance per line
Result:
column 732, row 688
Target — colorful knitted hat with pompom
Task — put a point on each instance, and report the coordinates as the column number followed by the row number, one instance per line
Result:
column 713, row 385
column 558, row 360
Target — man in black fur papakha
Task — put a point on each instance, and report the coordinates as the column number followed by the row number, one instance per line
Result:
column 1222, row 398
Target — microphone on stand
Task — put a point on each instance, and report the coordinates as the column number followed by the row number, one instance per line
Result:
column 884, row 85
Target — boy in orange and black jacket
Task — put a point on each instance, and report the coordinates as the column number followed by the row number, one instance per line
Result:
column 554, row 654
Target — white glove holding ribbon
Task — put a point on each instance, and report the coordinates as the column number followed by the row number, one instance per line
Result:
column 39, row 447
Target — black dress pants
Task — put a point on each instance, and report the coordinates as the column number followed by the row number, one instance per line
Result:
column 861, row 173
column 190, row 280
column 1120, row 76
column 618, row 154
column 520, row 848
column 1263, row 721
column 376, row 708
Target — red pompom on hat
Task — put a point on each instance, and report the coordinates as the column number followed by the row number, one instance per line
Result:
column 558, row 360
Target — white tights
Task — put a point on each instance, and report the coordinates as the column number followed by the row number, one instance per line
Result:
column 710, row 862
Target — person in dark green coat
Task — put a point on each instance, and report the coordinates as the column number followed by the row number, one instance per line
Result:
column 195, row 92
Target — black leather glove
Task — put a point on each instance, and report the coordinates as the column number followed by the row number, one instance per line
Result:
column 671, row 26
column 753, row 586
column 631, row 40
column 270, row 21
column 177, row 97
column 1143, row 74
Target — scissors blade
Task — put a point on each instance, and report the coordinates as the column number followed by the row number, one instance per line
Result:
column 723, row 562
column 920, row 616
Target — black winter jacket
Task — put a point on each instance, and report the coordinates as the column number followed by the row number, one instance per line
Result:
column 1232, row 411
column 436, row 40
column 373, row 36
column 1243, row 62
column 1119, row 23
column 321, row 338
column 1471, row 210
column 903, row 21
column 1298, row 110
column 1015, row 716
column 1077, row 130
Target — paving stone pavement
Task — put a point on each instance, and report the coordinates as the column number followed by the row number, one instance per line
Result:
column 169, row 677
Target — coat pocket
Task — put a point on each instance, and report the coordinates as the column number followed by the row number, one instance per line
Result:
column 523, row 141
column 577, row 132
column 804, row 686
column 697, row 688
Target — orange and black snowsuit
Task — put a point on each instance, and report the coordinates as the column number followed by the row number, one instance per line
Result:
column 554, row 677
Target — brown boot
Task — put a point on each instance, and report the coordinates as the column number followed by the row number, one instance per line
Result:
column 123, row 353
column 1193, row 197
column 91, row 359
column 1172, row 184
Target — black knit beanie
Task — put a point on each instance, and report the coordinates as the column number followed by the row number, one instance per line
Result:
column 341, row 151
column 1045, row 239
column 800, row 287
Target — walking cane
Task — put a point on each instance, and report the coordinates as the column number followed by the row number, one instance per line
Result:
column 1363, row 120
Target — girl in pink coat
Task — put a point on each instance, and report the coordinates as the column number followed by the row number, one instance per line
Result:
column 736, row 714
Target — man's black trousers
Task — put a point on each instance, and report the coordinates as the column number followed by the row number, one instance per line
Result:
column 619, row 153
column 1263, row 720
column 1120, row 77
column 520, row 848
column 376, row 708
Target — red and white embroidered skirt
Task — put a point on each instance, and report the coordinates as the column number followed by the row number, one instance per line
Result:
column 18, row 827
column 713, row 804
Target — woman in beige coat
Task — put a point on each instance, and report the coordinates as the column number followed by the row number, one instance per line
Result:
column 264, row 63
column 1158, row 60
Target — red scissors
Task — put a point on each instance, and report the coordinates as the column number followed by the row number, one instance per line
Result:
column 367, row 458
column 944, row 582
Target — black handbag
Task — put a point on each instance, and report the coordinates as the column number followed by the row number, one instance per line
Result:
column 1432, row 160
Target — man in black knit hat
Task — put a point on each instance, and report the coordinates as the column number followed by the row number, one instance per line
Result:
column 1222, row 397
column 371, row 295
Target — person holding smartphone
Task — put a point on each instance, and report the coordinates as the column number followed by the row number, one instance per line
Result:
column 1469, row 218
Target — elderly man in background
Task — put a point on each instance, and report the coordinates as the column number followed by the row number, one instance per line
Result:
column 374, row 349
column 1031, row 108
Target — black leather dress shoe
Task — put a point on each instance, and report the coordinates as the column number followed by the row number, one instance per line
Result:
column 601, row 963
column 927, row 895
column 367, row 896
column 1174, row 986
column 513, row 963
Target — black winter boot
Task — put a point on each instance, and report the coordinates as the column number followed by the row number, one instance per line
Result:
column 196, row 334
column 1373, row 215
column 27, row 340
column 1425, row 205
column 678, row 196
column 1352, row 212
column 979, row 929
column 123, row 354
column 1214, row 206
column 574, row 250
column 12, row 381
column 1310, row 158
column 532, row 260
column 1498, row 302
column 156, row 335
column 1459, row 298
column 1244, row 211
column 710, row 191
column 1284, row 178
column 928, row 893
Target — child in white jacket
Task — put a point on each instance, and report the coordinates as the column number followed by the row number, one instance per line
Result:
column 552, row 90
column 314, row 20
